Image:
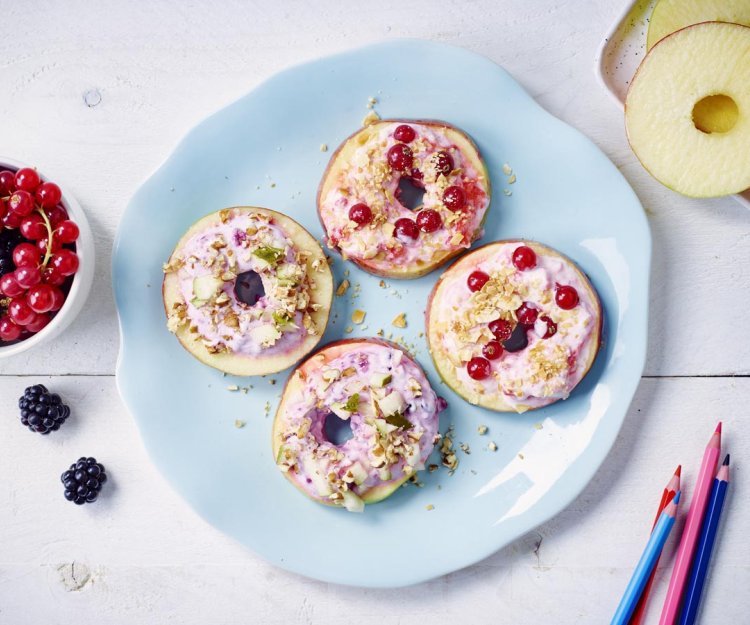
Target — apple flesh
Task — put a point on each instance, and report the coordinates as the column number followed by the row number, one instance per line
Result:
column 343, row 155
column 669, row 16
column 293, row 387
column 445, row 367
column 687, row 112
column 322, row 294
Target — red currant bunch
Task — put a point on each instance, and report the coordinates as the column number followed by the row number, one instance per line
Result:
column 37, row 253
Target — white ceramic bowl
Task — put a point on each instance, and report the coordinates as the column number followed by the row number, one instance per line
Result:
column 79, row 289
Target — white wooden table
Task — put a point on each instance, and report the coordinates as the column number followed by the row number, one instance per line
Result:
column 97, row 94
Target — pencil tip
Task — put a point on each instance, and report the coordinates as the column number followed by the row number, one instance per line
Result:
column 726, row 461
column 718, row 428
column 678, row 472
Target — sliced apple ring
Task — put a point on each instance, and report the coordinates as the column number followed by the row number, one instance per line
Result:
column 381, row 395
column 687, row 112
column 369, row 204
column 513, row 326
column 670, row 16
column 247, row 291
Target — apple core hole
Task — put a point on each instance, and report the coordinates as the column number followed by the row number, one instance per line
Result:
column 248, row 288
column 409, row 194
column 337, row 430
column 716, row 113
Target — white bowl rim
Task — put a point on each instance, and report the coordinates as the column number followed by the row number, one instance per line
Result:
column 81, row 285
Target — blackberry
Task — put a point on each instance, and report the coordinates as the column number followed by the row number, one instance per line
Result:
column 42, row 411
column 83, row 481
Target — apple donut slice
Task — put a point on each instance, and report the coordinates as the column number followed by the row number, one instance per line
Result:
column 247, row 291
column 687, row 111
column 363, row 207
column 377, row 390
column 513, row 326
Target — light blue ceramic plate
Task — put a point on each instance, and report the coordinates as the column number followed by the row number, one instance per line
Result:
column 265, row 150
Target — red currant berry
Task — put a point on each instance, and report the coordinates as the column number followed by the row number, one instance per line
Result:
column 501, row 328
column 399, row 157
column 359, row 213
column 524, row 258
column 33, row 228
column 27, row 179
column 25, row 254
column 545, row 327
column 476, row 280
column 9, row 286
column 566, row 297
column 52, row 276
column 454, row 198
column 492, row 350
column 41, row 298
column 28, row 276
column 42, row 244
column 21, row 203
column 56, row 214
column 443, row 163
column 3, row 207
column 20, row 312
column 66, row 262
column 404, row 133
column 11, row 220
column 406, row 227
column 58, row 299
column 9, row 330
column 7, row 182
column 417, row 177
column 48, row 194
column 478, row 368
column 38, row 323
column 526, row 314
column 429, row 220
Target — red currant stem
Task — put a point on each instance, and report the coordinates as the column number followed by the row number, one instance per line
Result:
column 50, row 236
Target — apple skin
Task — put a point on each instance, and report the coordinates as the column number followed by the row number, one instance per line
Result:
column 407, row 272
column 660, row 42
column 445, row 368
column 294, row 382
column 243, row 365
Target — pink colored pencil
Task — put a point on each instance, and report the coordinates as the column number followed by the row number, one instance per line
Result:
column 669, row 492
column 671, row 610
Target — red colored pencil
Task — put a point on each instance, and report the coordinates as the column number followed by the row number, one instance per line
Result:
column 669, row 492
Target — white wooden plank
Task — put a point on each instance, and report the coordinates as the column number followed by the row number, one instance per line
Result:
column 157, row 69
column 140, row 554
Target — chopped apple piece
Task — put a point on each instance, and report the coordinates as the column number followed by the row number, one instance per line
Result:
column 358, row 472
column 265, row 335
column 379, row 380
column 392, row 404
column 340, row 410
column 205, row 287
column 352, row 502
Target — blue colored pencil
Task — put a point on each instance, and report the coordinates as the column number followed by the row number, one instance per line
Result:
column 646, row 564
column 699, row 568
